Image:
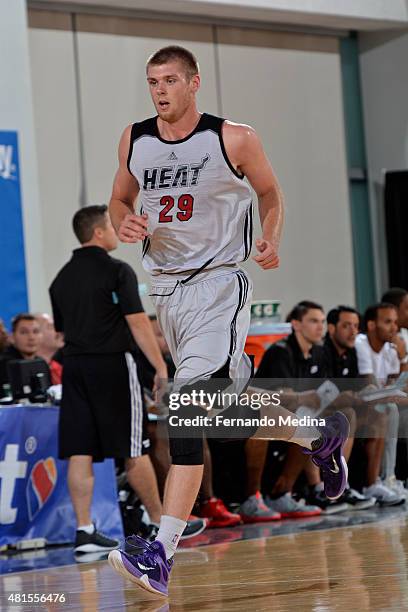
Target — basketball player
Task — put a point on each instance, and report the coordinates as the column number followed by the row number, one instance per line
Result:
column 195, row 222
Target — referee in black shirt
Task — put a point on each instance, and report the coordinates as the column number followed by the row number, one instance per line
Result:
column 96, row 303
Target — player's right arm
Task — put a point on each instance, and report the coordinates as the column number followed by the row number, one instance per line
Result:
column 129, row 226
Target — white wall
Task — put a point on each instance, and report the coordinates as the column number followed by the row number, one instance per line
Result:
column 349, row 14
column 287, row 86
column 289, row 90
column 383, row 60
column 16, row 113
column 56, row 120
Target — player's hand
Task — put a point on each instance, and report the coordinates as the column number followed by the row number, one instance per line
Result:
column 133, row 228
column 268, row 257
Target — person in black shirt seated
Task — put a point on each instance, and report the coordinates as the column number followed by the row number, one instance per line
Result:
column 304, row 358
column 25, row 341
column 343, row 324
column 372, row 425
column 298, row 356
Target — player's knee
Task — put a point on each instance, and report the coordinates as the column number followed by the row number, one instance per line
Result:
column 186, row 451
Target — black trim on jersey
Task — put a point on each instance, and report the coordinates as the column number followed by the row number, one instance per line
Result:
column 224, row 152
column 146, row 245
column 198, row 128
column 251, row 226
column 132, row 139
column 149, row 127
column 214, row 123
column 146, row 240
column 248, row 232
column 246, row 236
column 185, row 281
column 146, row 127
column 203, row 267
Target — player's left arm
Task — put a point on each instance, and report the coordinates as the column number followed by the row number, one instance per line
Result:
column 250, row 159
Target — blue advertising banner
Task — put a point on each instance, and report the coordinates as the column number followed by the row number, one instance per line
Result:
column 34, row 499
column 13, row 284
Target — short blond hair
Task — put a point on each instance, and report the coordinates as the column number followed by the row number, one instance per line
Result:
column 175, row 52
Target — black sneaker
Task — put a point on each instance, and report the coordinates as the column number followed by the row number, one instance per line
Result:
column 93, row 542
column 194, row 527
column 355, row 500
column 151, row 532
column 327, row 506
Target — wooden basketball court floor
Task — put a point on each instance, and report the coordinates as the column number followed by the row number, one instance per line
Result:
column 362, row 567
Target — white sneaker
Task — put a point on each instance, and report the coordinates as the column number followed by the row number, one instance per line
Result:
column 396, row 485
column 383, row 495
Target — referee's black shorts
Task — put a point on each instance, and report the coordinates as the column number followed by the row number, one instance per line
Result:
column 102, row 409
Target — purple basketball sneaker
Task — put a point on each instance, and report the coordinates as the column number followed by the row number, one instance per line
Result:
column 328, row 456
column 149, row 568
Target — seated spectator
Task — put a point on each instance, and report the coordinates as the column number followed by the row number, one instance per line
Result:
column 25, row 341
column 343, row 325
column 379, row 363
column 296, row 357
column 51, row 342
column 399, row 297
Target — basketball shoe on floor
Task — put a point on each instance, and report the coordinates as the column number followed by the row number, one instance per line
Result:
column 327, row 454
column 149, row 569
column 383, row 495
column 317, row 497
column 355, row 500
column 194, row 527
column 218, row 515
column 396, row 485
column 93, row 542
column 254, row 510
column 288, row 507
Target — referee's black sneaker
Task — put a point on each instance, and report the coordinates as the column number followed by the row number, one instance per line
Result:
column 93, row 542
column 194, row 527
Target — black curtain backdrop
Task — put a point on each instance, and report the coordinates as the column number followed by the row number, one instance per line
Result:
column 396, row 225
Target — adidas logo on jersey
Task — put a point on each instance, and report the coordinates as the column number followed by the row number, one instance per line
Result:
column 180, row 175
column 172, row 156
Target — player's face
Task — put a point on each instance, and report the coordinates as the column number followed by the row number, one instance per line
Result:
column 27, row 337
column 312, row 325
column 346, row 330
column 386, row 324
column 403, row 312
column 171, row 89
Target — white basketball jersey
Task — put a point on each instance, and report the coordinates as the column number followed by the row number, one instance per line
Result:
column 199, row 206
